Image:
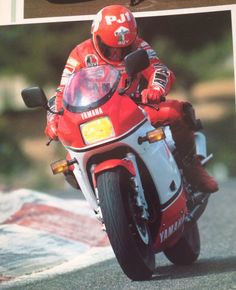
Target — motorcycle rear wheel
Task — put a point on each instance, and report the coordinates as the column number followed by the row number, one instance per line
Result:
column 130, row 239
column 187, row 249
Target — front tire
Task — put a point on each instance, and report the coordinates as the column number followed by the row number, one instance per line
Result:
column 187, row 249
column 130, row 239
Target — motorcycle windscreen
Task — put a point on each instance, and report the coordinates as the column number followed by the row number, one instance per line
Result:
column 89, row 88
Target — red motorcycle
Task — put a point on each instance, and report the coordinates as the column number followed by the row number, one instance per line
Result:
column 128, row 170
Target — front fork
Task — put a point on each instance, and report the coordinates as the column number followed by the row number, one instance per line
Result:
column 138, row 187
column 140, row 200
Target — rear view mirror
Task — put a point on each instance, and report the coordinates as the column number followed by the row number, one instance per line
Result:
column 34, row 97
column 136, row 61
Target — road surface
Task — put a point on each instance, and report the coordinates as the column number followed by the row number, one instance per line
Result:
column 215, row 268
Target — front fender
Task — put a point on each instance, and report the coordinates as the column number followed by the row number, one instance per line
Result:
column 112, row 163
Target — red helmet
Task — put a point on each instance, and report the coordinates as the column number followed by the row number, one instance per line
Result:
column 114, row 31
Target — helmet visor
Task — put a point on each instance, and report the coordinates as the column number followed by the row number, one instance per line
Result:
column 114, row 53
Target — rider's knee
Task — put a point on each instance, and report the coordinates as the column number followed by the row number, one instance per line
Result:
column 172, row 111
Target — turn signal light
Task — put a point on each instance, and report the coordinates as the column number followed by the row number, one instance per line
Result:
column 153, row 136
column 61, row 166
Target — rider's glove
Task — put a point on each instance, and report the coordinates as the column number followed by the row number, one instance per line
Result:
column 52, row 120
column 153, row 94
column 51, row 128
column 50, row 131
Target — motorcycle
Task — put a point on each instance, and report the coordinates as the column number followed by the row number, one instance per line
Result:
column 127, row 170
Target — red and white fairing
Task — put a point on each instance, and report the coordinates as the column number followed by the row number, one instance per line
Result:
column 92, row 94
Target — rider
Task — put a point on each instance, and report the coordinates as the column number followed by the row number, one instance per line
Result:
column 114, row 35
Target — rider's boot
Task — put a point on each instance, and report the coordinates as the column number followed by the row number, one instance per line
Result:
column 193, row 170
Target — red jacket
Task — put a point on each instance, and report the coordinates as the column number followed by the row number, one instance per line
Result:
column 85, row 55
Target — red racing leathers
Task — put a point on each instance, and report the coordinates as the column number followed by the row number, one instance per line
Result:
column 159, row 77
column 172, row 113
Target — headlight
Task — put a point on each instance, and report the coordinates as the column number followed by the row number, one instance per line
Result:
column 97, row 130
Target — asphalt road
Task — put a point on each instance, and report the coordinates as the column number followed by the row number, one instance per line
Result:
column 215, row 268
column 43, row 8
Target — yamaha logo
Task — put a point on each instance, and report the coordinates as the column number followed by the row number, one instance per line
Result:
column 92, row 113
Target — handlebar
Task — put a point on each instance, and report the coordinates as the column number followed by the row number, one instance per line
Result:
column 162, row 99
column 151, row 104
column 49, row 142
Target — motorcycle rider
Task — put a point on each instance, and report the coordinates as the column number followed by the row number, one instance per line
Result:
column 114, row 35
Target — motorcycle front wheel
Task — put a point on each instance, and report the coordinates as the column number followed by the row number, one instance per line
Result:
column 187, row 249
column 128, row 234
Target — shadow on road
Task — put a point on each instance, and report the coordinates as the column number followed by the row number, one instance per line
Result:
column 201, row 268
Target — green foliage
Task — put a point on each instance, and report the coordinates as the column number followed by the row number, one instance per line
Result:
column 195, row 46
column 221, row 140
column 12, row 159
column 38, row 51
column 212, row 61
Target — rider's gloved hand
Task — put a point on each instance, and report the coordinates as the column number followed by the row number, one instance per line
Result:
column 51, row 128
column 52, row 120
column 51, row 133
column 152, row 94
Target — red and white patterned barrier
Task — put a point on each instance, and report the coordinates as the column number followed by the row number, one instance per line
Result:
column 40, row 233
